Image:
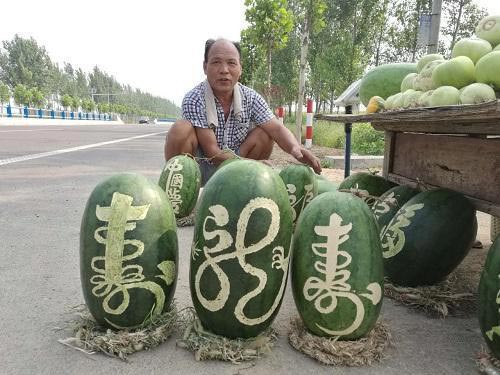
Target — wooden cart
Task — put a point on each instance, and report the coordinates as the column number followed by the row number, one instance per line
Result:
column 456, row 147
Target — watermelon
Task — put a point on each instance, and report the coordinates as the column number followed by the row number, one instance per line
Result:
column 366, row 186
column 240, row 251
column 128, row 251
column 428, row 237
column 384, row 80
column 181, row 179
column 301, row 185
column 390, row 202
column 325, row 185
column 337, row 267
column 489, row 299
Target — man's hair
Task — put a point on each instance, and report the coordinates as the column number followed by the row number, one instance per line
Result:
column 210, row 42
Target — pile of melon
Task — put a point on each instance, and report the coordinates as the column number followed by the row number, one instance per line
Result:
column 470, row 76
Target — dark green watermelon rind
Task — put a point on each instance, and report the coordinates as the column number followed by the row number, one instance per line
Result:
column 300, row 176
column 402, row 194
column 158, row 233
column 434, row 244
column 489, row 308
column 366, row 265
column 373, row 184
column 233, row 187
column 191, row 184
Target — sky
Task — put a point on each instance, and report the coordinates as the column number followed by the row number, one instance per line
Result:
column 156, row 46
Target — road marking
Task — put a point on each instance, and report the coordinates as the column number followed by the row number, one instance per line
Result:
column 78, row 148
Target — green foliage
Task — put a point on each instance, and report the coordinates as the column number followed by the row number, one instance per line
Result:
column 88, row 105
column 22, row 95
column 270, row 22
column 37, row 97
column 463, row 17
column 4, row 93
column 364, row 139
column 24, row 62
column 67, row 101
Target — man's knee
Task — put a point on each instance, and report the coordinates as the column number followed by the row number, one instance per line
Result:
column 181, row 139
column 258, row 145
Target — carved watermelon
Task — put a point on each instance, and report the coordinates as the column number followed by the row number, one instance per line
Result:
column 128, row 251
column 240, row 250
column 428, row 237
column 181, row 179
column 337, row 268
column 366, row 186
column 301, row 186
column 489, row 299
column 390, row 202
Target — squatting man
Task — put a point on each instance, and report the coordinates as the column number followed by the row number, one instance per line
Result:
column 221, row 113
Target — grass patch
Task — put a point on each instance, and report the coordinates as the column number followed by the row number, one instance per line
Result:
column 364, row 139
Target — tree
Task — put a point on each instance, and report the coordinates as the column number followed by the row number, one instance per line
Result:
column 4, row 93
column 462, row 17
column 37, row 97
column 67, row 101
column 309, row 16
column 22, row 96
column 25, row 62
column 270, row 23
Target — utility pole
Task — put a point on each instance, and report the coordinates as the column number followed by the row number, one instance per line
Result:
column 432, row 47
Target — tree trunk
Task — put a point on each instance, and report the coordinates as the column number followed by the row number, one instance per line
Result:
column 302, row 81
column 269, row 67
column 457, row 25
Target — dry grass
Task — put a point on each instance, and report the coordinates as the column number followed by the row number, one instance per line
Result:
column 208, row 346
column 90, row 338
column 332, row 351
column 487, row 363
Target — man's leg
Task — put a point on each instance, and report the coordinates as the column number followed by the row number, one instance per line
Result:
column 257, row 145
column 181, row 139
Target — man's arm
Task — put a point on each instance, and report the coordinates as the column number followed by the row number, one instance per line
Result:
column 287, row 141
column 208, row 143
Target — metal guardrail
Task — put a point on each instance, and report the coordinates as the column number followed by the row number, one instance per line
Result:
column 40, row 113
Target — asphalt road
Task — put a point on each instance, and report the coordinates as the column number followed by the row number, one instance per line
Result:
column 46, row 176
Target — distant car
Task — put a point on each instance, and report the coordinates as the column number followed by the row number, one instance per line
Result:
column 143, row 120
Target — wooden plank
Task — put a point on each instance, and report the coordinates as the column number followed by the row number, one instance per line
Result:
column 481, row 205
column 490, row 127
column 465, row 164
column 471, row 113
column 389, row 138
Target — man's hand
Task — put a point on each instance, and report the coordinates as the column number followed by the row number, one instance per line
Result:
column 305, row 156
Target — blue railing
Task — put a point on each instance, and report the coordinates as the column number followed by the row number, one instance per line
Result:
column 40, row 113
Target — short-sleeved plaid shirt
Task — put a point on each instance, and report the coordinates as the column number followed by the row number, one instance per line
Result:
column 231, row 133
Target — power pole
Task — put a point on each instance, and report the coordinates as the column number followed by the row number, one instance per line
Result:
column 432, row 47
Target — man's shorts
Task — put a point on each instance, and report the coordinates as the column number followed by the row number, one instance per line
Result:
column 207, row 168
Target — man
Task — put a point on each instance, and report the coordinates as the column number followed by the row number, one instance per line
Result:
column 220, row 114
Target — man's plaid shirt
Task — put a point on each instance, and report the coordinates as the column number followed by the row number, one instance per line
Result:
column 231, row 133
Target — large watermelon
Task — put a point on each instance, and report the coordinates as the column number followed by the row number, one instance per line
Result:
column 240, row 250
column 384, row 80
column 128, row 251
column 489, row 299
column 337, row 268
column 390, row 202
column 428, row 237
column 366, row 186
column 301, row 185
column 181, row 179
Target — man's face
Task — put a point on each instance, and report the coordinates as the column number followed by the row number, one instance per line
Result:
column 223, row 68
